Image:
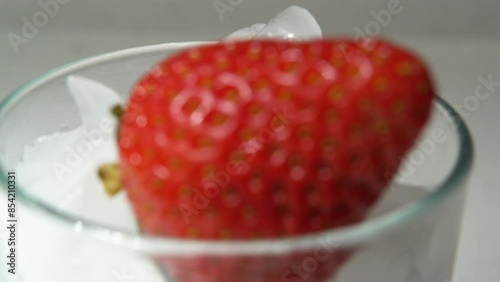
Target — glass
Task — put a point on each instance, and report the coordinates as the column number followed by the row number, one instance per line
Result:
column 411, row 235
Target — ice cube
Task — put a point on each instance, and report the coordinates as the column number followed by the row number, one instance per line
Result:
column 247, row 32
column 61, row 168
column 294, row 23
column 94, row 100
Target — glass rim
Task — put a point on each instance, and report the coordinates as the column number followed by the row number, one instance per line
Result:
column 155, row 244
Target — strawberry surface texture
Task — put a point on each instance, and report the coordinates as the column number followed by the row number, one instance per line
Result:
column 268, row 139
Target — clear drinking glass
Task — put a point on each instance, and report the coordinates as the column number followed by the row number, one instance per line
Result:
column 67, row 234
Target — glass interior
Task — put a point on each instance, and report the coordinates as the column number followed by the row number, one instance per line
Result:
column 427, row 183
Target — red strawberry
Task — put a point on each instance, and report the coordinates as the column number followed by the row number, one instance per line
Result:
column 265, row 139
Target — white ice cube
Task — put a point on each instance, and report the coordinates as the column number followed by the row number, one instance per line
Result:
column 61, row 168
column 294, row 23
column 247, row 32
column 94, row 100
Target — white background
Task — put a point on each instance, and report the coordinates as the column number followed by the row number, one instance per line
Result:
column 460, row 40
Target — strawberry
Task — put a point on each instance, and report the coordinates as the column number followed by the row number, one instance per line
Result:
column 267, row 139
